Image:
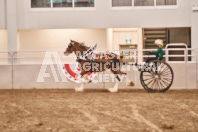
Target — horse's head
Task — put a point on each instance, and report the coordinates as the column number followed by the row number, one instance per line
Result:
column 75, row 47
column 70, row 48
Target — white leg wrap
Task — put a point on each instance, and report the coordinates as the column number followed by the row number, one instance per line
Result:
column 81, row 88
column 129, row 82
column 115, row 88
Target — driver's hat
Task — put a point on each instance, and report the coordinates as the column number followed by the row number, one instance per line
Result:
column 159, row 41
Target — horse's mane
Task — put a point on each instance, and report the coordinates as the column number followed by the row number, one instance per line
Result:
column 82, row 45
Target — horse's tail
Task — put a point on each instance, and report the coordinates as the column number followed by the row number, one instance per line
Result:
column 118, row 58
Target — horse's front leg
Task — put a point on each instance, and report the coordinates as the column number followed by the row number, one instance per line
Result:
column 82, row 84
column 115, row 88
column 84, row 79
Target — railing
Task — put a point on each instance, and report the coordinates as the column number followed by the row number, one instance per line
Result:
column 37, row 57
column 31, row 57
column 178, row 49
column 5, row 58
column 167, row 55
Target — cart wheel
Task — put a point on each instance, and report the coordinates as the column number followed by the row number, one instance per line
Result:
column 158, row 77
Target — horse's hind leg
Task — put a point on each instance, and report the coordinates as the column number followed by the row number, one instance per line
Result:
column 128, row 82
column 115, row 88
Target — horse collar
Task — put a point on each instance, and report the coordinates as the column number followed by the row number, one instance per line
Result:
column 90, row 51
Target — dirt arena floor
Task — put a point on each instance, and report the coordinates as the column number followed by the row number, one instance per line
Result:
column 98, row 111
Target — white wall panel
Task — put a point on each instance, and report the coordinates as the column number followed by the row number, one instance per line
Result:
column 6, row 76
column 3, row 40
column 104, row 17
column 194, row 30
column 59, row 39
column 2, row 15
column 25, row 76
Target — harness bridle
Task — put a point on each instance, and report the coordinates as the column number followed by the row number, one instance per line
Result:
column 70, row 46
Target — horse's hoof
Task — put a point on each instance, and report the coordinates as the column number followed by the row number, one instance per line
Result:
column 130, row 83
column 112, row 90
column 79, row 89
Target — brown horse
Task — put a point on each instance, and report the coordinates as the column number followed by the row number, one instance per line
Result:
column 98, row 63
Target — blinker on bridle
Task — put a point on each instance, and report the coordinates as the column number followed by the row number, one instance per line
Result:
column 70, row 46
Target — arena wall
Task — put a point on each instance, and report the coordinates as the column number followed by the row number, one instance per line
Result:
column 6, row 77
column 26, row 76
column 37, row 29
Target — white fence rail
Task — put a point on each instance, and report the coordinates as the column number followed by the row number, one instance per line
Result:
column 21, row 58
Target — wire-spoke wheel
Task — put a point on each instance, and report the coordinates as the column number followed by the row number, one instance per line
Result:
column 158, row 76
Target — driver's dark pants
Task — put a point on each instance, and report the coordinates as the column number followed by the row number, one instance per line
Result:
column 153, row 58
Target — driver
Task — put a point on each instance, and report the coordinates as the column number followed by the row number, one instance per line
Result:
column 159, row 52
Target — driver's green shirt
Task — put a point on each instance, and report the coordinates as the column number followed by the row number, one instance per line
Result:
column 159, row 52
